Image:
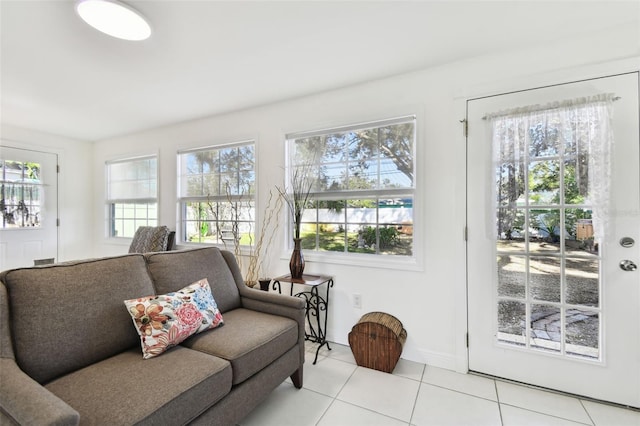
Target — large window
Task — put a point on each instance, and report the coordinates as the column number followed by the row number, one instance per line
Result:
column 217, row 194
column 132, row 195
column 364, row 184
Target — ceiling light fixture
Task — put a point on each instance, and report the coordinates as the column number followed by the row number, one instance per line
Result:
column 114, row 18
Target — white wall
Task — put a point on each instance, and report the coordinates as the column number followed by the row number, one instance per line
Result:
column 430, row 297
column 75, row 208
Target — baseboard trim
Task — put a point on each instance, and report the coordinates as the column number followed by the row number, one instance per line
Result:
column 440, row 359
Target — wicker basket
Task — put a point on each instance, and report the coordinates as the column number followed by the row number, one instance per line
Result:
column 376, row 341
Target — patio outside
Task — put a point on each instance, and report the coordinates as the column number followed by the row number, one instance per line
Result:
column 581, row 296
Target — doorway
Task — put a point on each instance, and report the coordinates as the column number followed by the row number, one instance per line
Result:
column 29, row 207
column 553, row 216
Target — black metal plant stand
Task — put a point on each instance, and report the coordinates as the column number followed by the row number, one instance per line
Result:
column 315, row 304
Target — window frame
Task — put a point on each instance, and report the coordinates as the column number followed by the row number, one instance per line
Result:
column 347, row 256
column 147, row 203
column 235, row 200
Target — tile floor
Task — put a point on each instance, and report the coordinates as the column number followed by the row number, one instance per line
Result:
column 337, row 392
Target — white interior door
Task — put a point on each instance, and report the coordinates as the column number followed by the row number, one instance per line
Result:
column 549, row 301
column 28, row 207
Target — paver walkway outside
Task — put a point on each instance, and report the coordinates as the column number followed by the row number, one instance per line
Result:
column 581, row 288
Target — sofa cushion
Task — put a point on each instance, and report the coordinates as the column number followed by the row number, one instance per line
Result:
column 165, row 320
column 171, row 271
column 250, row 340
column 125, row 389
column 70, row 315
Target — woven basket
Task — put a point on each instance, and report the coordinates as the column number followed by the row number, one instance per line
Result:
column 377, row 340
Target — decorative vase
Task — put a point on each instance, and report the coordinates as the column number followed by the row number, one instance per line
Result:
column 296, row 264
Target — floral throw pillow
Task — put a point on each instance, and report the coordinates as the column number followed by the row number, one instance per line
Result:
column 166, row 320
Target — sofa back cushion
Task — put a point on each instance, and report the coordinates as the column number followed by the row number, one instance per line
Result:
column 174, row 270
column 70, row 315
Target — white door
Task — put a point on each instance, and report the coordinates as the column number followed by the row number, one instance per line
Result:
column 28, row 207
column 549, row 302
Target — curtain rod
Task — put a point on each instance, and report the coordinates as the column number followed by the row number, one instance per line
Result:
column 555, row 105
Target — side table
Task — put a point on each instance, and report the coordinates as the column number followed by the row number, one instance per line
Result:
column 315, row 304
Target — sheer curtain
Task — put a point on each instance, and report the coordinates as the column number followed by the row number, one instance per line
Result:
column 556, row 156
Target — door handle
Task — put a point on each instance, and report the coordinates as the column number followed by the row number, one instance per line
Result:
column 628, row 265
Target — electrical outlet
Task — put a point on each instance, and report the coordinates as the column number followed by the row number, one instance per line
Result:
column 357, row 301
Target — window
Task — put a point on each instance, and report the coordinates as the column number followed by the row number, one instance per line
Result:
column 364, row 184
column 21, row 194
column 217, row 194
column 132, row 195
column 552, row 166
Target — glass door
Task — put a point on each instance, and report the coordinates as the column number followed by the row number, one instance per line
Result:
column 29, row 207
column 551, row 300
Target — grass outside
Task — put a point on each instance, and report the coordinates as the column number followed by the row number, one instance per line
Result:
column 335, row 241
column 329, row 241
column 245, row 239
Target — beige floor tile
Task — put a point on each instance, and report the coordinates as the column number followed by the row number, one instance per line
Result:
column 443, row 407
column 327, row 376
column 603, row 415
column 288, row 406
column 514, row 416
column 409, row 369
column 340, row 352
column 384, row 393
column 343, row 414
column 465, row 383
column 549, row 403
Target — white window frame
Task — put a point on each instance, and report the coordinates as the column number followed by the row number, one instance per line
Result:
column 318, row 194
column 239, row 201
column 143, row 200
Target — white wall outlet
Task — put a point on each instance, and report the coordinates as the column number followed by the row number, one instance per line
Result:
column 357, row 301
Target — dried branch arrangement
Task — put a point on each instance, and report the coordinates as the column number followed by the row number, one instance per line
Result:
column 297, row 196
column 250, row 257
column 268, row 227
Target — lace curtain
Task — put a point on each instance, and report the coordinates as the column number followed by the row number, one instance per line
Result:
column 556, row 156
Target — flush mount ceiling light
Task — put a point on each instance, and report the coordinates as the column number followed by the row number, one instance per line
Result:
column 114, row 18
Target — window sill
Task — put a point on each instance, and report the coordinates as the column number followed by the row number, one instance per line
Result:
column 362, row 260
column 351, row 259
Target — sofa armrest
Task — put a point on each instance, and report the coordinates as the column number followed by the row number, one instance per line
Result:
column 277, row 304
column 24, row 401
column 272, row 298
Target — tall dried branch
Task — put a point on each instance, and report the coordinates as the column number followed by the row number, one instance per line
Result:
column 297, row 196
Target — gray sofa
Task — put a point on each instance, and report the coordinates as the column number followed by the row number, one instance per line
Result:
column 70, row 354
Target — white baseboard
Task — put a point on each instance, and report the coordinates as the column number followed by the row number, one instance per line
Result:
column 443, row 360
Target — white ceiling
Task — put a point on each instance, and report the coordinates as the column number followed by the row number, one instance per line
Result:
column 60, row 76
